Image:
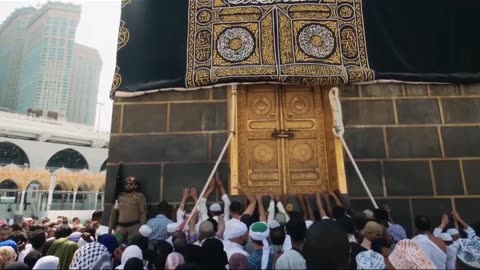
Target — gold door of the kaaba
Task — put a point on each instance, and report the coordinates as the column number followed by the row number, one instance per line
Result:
column 284, row 140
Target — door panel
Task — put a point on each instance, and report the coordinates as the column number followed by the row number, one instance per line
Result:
column 295, row 161
column 306, row 169
column 259, row 153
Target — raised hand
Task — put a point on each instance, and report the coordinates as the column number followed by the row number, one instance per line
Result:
column 219, row 183
column 186, row 194
column 445, row 221
column 456, row 216
column 194, row 193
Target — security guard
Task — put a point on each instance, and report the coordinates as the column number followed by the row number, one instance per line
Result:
column 130, row 210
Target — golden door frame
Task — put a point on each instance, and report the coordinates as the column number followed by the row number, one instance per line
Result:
column 332, row 160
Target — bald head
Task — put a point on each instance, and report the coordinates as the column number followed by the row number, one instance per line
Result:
column 206, row 230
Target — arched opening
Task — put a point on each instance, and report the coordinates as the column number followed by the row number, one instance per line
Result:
column 85, row 198
column 36, row 198
column 62, row 198
column 67, row 158
column 8, row 188
column 104, row 166
column 9, row 198
column 12, row 153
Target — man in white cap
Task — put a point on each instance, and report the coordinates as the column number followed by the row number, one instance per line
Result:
column 454, row 233
column 235, row 237
column 468, row 253
column 447, row 238
column 215, row 211
column 293, row 258
column 171, row 229
column 145, row 231
column 262, row 257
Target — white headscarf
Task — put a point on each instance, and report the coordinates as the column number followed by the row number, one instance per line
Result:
column 132, row 251
column 47, row 262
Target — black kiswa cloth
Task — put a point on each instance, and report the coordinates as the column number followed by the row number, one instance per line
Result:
column 154, row 55
column 117, row 186
column 423, row 40
column 407, row 40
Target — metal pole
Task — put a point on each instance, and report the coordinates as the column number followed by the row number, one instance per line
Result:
column 220, row 157
column 339, row 130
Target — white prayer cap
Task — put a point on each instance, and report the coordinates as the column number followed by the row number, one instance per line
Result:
column 308, row 223
column 453, row 231
column 235, row 228
column 173, row 227
column 145, row 231
column 469, row 252
column 370, row 260
column 215, row 207
column 445, row 237
column 272, row 224
column 368, row 213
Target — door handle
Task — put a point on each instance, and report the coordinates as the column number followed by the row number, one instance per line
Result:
column 287, row 134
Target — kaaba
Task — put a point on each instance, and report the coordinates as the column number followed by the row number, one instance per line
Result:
column 193, row 75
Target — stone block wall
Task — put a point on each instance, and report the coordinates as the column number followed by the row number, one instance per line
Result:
column 169, row 140
column 418, row 147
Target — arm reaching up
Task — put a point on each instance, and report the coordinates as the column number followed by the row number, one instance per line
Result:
column 181, row 208
column 321, row 210
column 225, row 199
column 210, row 190
column 261, row 209
column 328, row 207
column 194, row 194
column 303, row 205
column 271, row 208
column 468, row 230
column 443, row 224
column 252, row 202
column 282, row 210
column 337, row 200
column 308, row 199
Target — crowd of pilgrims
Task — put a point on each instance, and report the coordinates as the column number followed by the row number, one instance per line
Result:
column 268, row 233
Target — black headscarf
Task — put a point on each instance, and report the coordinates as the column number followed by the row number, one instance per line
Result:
column 32, row 258
column 213, row 254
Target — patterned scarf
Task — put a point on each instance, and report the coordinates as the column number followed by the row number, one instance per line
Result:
column 88, row 255
column 8, row 254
